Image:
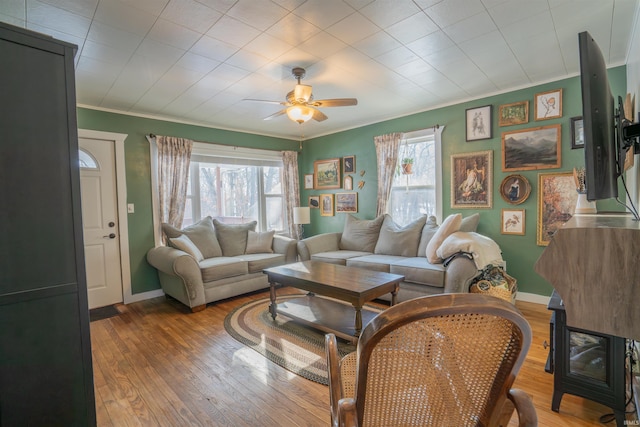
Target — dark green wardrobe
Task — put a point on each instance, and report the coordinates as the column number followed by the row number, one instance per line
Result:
column 46, row 375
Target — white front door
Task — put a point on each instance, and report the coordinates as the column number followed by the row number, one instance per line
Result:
column 100, row 222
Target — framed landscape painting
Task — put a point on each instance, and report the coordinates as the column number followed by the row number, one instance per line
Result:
column 346, row 202
column 531, row 149
column 326, row 174
column 472, row 179
column 557, row 198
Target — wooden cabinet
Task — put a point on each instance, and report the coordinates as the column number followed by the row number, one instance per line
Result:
column 46, row 375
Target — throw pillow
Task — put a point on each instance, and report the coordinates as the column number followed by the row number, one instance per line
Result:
column 397, row 240
column 185, row 244
column 259, row 243
column 449, row 226
column 233, row 237
column 360, row 234
column 470, row 223
column 484, row 250
column 201, row 234
column 428, row 231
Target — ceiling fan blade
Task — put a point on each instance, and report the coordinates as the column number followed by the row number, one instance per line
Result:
column 318, row 115
column 265, row 101
column 274, row 115
column 337, row 102
column 302, row 93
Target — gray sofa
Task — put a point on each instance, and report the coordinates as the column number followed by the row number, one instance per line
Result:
column 381, row 245
column 210, row 261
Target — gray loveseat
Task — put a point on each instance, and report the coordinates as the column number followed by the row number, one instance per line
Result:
column 209, row 261
column 411, row 251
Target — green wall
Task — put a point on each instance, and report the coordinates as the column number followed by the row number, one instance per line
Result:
column 520, row 252
column 138, row 174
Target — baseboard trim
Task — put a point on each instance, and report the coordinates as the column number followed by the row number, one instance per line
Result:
column 535, row 298
column 143, row 296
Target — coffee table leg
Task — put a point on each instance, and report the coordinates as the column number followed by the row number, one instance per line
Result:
column 272, row 296
column 394, row 294
column 358, row 320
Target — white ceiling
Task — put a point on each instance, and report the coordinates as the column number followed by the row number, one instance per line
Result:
column 195, row 61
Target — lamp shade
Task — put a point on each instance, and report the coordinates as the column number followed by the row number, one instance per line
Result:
column 299, row 113
column 301, row 215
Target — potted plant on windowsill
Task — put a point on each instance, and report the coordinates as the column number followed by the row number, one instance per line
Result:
column 407, row 165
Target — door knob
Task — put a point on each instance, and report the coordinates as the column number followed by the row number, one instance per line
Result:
column 111, row 236
column 112, row 224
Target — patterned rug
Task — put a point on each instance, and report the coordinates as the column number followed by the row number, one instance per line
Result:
column 293, row 346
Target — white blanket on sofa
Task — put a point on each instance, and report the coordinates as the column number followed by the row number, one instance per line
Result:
column 484, row 250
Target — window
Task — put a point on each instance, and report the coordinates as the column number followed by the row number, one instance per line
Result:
column 235, row 186
column 87, row 161
column 419, row 192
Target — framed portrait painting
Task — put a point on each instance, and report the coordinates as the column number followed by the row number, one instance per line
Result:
column 326, row 205
column 557, row 198
column 478, row 123
column 515, row 189
column 548, row 105
column 326, row 174
column 531, row 149
column 513, row 221
column 472, row 179
column 516, row 113
column 346, row 202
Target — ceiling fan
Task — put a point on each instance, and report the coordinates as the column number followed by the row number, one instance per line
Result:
column 300, row 105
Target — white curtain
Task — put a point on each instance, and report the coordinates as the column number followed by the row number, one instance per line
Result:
column 387, row 152
column 291, row 190
column 174, row 156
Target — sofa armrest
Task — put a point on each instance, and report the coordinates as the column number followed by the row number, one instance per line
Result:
column 176, row 263
column 286, row 246
column 460, row 271
column 320, row 243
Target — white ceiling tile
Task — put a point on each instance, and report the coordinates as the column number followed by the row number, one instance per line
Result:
column 425, row 4
column 412, row 28
column 191, row 14
column 173, row 34
column 296, row 58
column 353, row 28
column 78, row 41
column 358, row 4
column 57, row 19
column 232, row 31
column 430, row 44
column 260, row 14
column 13, row 8
column 18, row 22
column 84, row 8
column 154, row 7
column 293, row 29
column 267, row 46
column 624, row 13
column 377, row 44
column 385, row 13
column 470, row 28
column 221, row 6
column 158, row 53
column 124, row 17
column 414, row 69
column 213, row 48
column 97, row 69
column 448, row 12
column 197, row 63
column 513, row 11
column 529, row 28
column 104, row 53
column 324, row 13
column 107, row 35
column 249, row 61
column 540, row 57
column 397, row 57
column 322, row 45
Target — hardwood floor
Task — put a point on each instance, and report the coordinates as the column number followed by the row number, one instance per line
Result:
column 157, row 364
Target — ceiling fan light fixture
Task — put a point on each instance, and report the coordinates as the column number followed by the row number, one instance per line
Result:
column 300, row 113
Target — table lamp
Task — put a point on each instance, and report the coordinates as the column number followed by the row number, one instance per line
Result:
column 301, row 216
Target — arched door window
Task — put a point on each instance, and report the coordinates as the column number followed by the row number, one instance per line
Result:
column 87, row 161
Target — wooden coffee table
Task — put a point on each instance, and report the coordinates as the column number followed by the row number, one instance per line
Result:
column 347, row 289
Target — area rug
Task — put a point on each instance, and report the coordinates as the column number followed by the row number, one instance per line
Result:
column 293, row 346
column 103, row 313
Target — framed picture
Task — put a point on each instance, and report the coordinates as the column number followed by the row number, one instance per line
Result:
column 516, row 113
column 349, row 164
column 557, row 198
column 348, row 183
column 326, row 204
column 548, row 105
column 577, row 132
column 346, row 202
column 515, row 189
column 513, row 221
column 314, row 202
column 308, row 181
column 472, row 179
column 531, row 149
column 479, row 123
column 326, row 174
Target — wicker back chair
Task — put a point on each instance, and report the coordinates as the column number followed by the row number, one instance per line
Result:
column 442, row 360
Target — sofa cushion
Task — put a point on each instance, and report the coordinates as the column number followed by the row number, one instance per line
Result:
column 470, row 223
column 360, row 234
column 428, row 231
column 222, row 267
column 337, row 257
column 200, row 233
column 259, row 243
column 185, row 244
column 450, row 225
column 397, row 240
column 258, row 262
column 419, row 270
column 233, row 237
column 374, row 262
